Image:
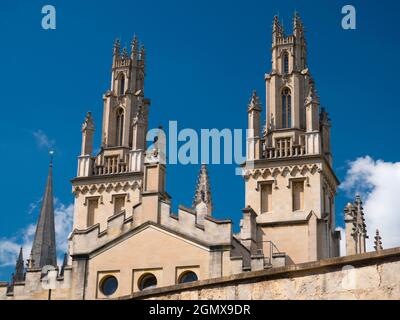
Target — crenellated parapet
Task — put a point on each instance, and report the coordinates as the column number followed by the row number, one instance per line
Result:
column 211, row 230
column 90, row 239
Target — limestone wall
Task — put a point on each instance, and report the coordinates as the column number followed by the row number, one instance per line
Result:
column 367, row 276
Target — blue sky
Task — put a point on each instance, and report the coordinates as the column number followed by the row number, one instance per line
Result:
column 204, row 59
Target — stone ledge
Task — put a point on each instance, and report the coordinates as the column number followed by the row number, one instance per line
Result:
column 274, row 273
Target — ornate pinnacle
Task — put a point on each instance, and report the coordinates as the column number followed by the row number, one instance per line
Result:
column 349, row 212
column 134, row 47
column 312, row 96
column 88, row 124
column 378, row 241
column 276, row 25
column 277, row 28
column 255, row 103
column 203, row 189
column 124, row 53
column 297, row 23
column 116, row 47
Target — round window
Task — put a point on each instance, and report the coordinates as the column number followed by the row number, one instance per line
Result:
column 148, row 281
column 189, row 276
column 109, row 285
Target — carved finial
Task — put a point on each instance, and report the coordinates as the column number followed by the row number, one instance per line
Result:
column 378, row 242
column 277, row 29
column 88, row 123
column 124, row 53
column 276, row 26
column 134, row 47
column 202, row 201
column 116, row 47
column 297, row 23
column 312, row 96
column 254, row 103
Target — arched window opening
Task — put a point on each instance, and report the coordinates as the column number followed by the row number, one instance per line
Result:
column 286, row 108
column 120, row 126
column 285, row 63
column 188, row 276
column 122, row 85
column 148, row 281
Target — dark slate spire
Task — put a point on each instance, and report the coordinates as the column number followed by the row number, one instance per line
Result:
column 19, row 274
column 44, row 244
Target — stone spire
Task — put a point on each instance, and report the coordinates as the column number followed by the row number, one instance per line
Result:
column 44, row 244
column 202, row 202
column 19, row 274
column 378, row 242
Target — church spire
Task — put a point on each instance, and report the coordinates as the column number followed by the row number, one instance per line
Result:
column 44, row 244
column 19, row 274
column 202, row 202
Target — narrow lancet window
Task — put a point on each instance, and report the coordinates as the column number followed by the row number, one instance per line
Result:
column 286, row 108
column 122, row 85
column 285, row 63
column 120, row 126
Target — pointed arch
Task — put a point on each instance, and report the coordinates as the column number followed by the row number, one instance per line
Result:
column 286, row 108
column 121, row 84
column 285, row 62
column 119, row 126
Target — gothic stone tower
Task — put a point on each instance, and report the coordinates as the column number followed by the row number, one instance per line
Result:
column 290, row 183
column 109, row 182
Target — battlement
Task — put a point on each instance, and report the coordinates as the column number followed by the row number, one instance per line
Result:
column 217, row 232
column 211, row 232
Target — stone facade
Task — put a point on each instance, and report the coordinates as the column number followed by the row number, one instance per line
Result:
column 126, row 239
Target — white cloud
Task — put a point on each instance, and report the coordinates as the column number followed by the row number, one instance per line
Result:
column 9, row 247
column 42, row 140
column 8, row 252
column 378, row 183
column 63, row 215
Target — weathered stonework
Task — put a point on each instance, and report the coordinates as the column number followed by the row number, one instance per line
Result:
column 124, row 230
column 370, row 276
